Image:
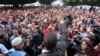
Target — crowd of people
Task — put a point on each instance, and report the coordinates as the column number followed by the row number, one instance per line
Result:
column 50, row 31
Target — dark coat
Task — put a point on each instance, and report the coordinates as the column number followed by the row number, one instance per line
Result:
column 52, row 53
column 62, row 44
column 63, row 27
column 7, row 44
column 37, row 40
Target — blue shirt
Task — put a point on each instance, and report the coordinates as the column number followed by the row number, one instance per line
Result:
column 18, row 53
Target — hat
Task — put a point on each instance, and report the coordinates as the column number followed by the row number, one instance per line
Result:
column 16, row 41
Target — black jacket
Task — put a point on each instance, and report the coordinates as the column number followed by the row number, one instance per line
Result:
column 62, row 44
column 7, row 44
column 52, row 53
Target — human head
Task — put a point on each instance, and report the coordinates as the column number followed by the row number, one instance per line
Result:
column 17, row 43
column 86, row 44
column 30, row 26
column 82, row 29
column 89, row 29
column 16, row 26
column 50, row 41
column 7, row 28
column 5, row 35
column 23, row 24
column 24, row 31
column 35, row 32
column 15, row 32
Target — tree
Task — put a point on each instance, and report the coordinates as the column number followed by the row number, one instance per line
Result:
column 48, row 2
column 82, row 2
column 66, row 1
column 71, row 2
column 16, row 1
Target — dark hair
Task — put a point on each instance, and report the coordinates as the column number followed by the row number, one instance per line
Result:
column 89, row 50
column 50, row 41
column 88, row 42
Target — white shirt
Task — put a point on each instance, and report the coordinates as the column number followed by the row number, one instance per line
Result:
column 11, row 50
column 83, row 35
column 3, row 48
column 58, row 35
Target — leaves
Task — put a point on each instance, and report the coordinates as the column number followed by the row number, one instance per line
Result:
column 16, row 1
column 48, row 2
column 82, row 2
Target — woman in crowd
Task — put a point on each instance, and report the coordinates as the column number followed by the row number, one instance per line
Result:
column 85, row 49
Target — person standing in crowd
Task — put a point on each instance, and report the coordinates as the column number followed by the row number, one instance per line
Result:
column 8, row 30
column 27, row 39
column 17, row 26
column 86, row 49
column 15, row 34
column 30, row 30
column 36, row 41
column 6, row 41
column 37, row 38
column 18, row 45
column 83, row 33
column 2, row 26
column 89, row 31
column 63, row 43
column 49, row 43
column 3, row 49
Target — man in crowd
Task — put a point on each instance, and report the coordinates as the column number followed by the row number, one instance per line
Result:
column 50, row 42
column 6, row 41
column 18, row 45
column 3, row 49
column 15, row 34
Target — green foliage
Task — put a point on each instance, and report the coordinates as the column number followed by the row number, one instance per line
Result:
column 82, row 2
column 66, row 1
column 46, row 1
column 16, row 1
